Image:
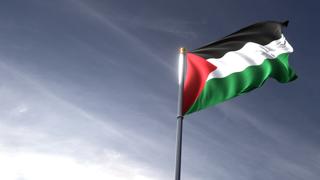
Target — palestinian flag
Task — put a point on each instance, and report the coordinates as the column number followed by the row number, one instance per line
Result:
column 236, row 64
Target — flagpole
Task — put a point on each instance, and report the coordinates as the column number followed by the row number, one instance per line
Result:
column 182, row 69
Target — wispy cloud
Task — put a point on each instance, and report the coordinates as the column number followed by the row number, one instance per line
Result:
column 130, row 38
column 33, row 165
column 39, row 131
column 176, row 27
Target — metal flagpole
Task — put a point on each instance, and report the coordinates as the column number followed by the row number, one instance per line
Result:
column 182, row 69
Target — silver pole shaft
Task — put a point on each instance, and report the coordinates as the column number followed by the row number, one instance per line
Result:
column 182, row 69
column 179, row 147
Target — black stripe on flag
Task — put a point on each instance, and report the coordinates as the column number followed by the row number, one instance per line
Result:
column 261, row 33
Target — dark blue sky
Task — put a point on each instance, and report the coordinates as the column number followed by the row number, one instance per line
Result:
column 88, row 90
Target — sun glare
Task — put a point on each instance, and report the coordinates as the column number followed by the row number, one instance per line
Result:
column 180, row 70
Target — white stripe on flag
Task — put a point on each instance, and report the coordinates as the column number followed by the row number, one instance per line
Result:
column 249, row 55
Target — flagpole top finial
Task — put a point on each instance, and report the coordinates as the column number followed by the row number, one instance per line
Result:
column 183, row 50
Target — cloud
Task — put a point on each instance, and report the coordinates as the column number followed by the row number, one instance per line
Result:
column 176, row 27
column 129, row 37
column 43, row 136
column 38, row 166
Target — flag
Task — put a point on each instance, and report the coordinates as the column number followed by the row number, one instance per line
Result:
column 236, row 64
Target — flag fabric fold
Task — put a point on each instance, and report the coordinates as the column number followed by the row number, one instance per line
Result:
column 236, row 64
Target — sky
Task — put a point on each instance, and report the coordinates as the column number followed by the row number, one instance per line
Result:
column 88, row 90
